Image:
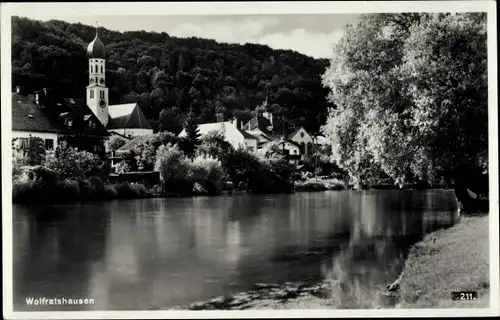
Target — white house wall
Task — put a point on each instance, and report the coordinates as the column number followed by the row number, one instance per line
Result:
column 306, row 138
column 292, row 149
column 43, row 135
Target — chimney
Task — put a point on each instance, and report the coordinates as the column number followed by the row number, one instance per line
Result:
column 20, row 90
column 237, row 123
column 220, row 117
column 47, row 92
column 268, row 116
column 38, row 98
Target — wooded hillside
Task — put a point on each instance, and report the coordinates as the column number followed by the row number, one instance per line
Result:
column 168, row 75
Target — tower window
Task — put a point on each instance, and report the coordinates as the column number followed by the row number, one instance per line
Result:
column 101, row 68
column 91, row 94
column 91, row 68
column 102, row 94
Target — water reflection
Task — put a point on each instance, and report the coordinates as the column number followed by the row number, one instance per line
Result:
column 153, row 253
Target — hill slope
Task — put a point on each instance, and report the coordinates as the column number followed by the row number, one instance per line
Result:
column 168, row 75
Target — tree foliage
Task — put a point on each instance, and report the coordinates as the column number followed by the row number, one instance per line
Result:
column 168, row 75
column 116, row 142
column 71, row 163
column 411, row 96
column 192, row 139
column 32, row 153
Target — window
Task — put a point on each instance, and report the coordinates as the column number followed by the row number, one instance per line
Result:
column 309, row 148
column 101, row 68
column 68, row 121
column 302, row 134
column 91, row 68
column 24, row 143
column 49, row 144
column 295, row 151
column 91, row 94
column 102, row 94
column 302, row 147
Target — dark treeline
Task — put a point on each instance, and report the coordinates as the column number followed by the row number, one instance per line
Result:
column 167, row 75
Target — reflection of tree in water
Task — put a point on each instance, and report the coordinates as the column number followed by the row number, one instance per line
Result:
column 63, row 242
column 385, row 225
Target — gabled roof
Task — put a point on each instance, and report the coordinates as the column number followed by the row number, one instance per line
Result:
column 293, row 133
column 134, row 143
column 127, row 115
column 27, row 116
column 247, row 135
column 81, row 115
column 264, row 124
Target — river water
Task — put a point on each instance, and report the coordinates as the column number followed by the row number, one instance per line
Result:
column 149, row 254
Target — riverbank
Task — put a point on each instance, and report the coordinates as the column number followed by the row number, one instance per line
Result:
column 454, row 259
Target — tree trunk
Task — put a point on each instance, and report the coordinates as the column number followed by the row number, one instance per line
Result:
column 471, row 190
column 468, row 204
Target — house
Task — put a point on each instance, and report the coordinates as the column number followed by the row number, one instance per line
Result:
column 231, row 130
column 302, row 138
column 268, row 128
column 46, row 115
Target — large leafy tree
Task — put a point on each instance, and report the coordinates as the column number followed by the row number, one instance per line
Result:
column 411, row 97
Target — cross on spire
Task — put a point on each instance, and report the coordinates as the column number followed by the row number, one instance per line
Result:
column 97, row 28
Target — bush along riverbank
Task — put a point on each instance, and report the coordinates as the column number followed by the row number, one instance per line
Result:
column 38, row 184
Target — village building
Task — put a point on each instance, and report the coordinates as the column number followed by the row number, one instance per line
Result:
column 231, row 130
column 45, row 115
column 267, row 128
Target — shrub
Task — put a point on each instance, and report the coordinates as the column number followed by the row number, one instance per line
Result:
column 69, row 190
column 146, row 151
column 21, row 190
column 122, row 167
column 129, row 191
column 110, row 192
column 71, row 163
column 116, row 142
column 175, row 170
column 208, row 172
column 310, row 186
column 215, row 145
column 19, row 160
column 38, row 184
column 335, row 184
column 33, row 150
column 319, row 185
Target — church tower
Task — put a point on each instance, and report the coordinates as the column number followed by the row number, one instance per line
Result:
column 97, row 92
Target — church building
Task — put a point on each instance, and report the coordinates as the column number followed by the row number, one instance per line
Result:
column 46, row 115
column 125, row 119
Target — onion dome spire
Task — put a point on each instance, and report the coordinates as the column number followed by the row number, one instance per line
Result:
column 96, row 48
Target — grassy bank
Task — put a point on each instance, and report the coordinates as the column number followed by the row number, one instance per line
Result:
column 458, row 260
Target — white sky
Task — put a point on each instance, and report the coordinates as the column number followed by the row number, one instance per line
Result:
column 310, row 34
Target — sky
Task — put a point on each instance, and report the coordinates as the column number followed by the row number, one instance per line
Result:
column 310, row 34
